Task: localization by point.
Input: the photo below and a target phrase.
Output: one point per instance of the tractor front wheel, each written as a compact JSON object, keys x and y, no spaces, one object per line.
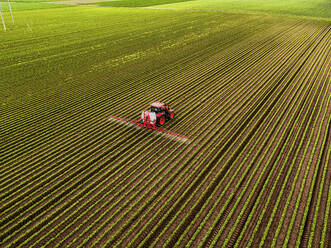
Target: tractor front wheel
{"x":172,"y":115}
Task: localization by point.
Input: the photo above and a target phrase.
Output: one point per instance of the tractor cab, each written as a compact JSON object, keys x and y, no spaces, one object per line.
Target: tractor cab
{"x":158,"y":115}
{"x":159,"y":107}
{"x":156,"y":110}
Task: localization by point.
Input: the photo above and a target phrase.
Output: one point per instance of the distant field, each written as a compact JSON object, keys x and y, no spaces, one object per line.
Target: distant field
{"x":312,"y":8}
{"x":252,"y":92}
{"x":42,"y":4}
{"x":28,"y":5}
{"x":141,"y":3}
{"x":301,"y":8}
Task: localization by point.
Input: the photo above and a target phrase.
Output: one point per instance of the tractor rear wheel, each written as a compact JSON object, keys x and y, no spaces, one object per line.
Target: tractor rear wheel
{"x":161,"y":120}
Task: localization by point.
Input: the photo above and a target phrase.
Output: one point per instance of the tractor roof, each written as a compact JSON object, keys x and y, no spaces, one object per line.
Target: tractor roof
{"x":157,"y":104}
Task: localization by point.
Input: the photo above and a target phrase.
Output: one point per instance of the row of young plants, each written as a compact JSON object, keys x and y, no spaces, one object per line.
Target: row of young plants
{"x":313,"y":70}
{"x":311,"y":192}
{"x":266,"y":170}
{"x":219,"y":198}
{"x":249,"y":221}
{"x":277,"y":202}
{"x":297,"y":150}
{"x":322,"y":161}
{"x":323,"y":241}
{"x":323,"y":186}
{"x":302,"y":186}
{"x":233,"y":207}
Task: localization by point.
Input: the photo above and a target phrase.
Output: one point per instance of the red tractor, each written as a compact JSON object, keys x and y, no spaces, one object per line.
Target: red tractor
{"x":157,"y":116}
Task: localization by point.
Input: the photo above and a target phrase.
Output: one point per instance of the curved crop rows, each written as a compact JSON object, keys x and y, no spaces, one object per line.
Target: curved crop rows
{"x":256,"y":172}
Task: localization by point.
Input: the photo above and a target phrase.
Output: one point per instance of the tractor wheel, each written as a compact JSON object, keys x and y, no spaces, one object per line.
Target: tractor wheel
{"x":161,"y":120}
{"x":172,"y":115}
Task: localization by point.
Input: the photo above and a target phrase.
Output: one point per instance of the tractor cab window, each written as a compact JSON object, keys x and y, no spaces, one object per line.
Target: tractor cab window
{"x":154,"y":109}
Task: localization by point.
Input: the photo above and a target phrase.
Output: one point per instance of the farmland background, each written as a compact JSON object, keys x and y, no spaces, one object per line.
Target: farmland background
{"x":250,"y":85}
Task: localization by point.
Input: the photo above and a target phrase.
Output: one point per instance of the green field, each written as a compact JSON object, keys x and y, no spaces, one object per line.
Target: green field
{"x":95,"y":43}
{"x":29,"y":5}
{"x":249,"y":82}
{"x":308,"y":8}
{"x":139,"y":3}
